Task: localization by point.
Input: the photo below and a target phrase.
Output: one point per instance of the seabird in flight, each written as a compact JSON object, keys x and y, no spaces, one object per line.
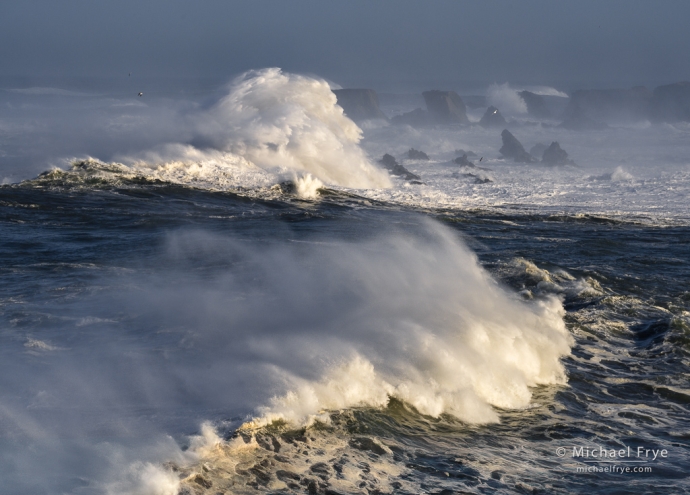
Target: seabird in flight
{"x":141,"y":94}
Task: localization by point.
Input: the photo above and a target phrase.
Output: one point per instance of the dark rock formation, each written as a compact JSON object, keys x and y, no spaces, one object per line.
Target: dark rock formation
{"x":609,"y":105}
{"x":360,"y":104}
{"x":463,"y":161}
{"x":671,"y":103}
{"x":512,"y":148}
{"x":392,"y":165}
{"x":492,"y":118}
{"x":537,"y":151}
{"x":415,"y":118}
{"x":555,"y":155}
{"x":414,"y":154}
{"x":480,"y":178}
{"x":445,"y":107}
{"x":536,"y":105}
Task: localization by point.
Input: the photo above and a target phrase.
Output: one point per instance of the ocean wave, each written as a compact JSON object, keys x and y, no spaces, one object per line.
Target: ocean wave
{"x":308,"y":336}
{"x":270,"y":127}
{"x":411,"y":317}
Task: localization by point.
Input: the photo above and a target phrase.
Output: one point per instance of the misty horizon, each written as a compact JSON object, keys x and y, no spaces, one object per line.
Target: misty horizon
{"x":388,"y":46}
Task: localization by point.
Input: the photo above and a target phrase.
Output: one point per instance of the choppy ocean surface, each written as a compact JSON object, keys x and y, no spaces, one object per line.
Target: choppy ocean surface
{"x":272,"y":313}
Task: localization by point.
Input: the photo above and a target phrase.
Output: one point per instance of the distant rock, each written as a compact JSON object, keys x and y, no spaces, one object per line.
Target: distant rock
{"x":671,"y":103}
{"x":359,"y":104}
{"x":392,"y":165}
{"x":481,"y":178}
{"x":537,"y":151}
{"x":415,"y":118}
{"x":463,"y":161}
{"x":593,"y":109}
{"x":609,"y":105}
{"x":512,"y":148}
{"x":414,"y":154}
{"x":582,"y":123}
{"x":555,"y":155}
{"x":536,"y":105}
{"x":492,"y":118}
{"x":445,"y":107}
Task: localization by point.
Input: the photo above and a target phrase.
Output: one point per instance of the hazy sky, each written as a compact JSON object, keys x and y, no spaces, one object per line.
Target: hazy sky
{"x":353,"y":42}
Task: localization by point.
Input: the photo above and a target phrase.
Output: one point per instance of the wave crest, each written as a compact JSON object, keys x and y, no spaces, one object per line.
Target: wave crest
{"x":284,"y":125}
{"x":444,"y":337}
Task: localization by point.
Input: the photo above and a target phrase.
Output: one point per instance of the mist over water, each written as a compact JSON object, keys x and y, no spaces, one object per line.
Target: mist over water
{"x":269,"y":126}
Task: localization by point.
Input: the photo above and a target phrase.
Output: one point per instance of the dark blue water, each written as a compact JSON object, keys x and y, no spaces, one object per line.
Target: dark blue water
{"x":89,"y":371}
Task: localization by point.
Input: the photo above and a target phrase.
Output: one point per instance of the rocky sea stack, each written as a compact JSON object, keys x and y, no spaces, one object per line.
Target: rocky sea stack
{"x":512,"y":148}
{"x":555,"y":155}
{"x":394,"y":168}
{"x":414,"y":154}
{"x":360,"y":104}
{"x":492,"y":118}
{"x":445,"y":107}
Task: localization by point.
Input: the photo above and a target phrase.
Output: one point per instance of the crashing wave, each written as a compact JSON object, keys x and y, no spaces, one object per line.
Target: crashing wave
{"x":270,"y":127}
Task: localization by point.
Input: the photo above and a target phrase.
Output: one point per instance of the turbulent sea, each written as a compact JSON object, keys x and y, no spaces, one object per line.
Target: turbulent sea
{"x":258,"y":307}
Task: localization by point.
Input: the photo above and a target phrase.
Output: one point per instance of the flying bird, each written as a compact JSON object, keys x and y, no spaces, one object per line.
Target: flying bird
{"x":141,"y":94}
{"x":481,"y":159}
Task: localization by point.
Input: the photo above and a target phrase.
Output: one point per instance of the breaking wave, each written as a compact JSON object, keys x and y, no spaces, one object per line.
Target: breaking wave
{"x":281,"y":121}
{"x":416,"y":318}
{"x":546,"y":91}
{"x":271,"y":127}
{"x":509,"y":102}
{"x":506,"y":99}
{"x":407,"y":320}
